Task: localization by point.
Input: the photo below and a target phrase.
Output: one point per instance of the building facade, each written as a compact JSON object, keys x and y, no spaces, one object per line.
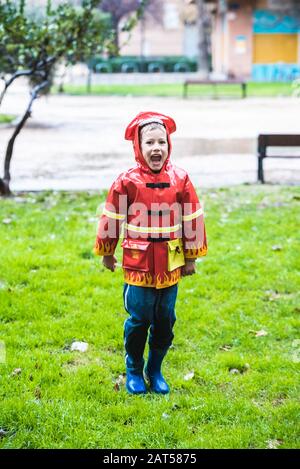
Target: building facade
{"x":254,"y":39}
{"x":258,"y":39}
{"x":168,"y":36}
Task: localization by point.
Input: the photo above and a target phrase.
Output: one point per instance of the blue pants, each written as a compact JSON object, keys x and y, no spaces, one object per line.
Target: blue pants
{"x":148,"y":308}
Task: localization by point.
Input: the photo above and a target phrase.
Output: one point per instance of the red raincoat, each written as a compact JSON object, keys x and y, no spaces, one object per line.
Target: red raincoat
{"x":161,"y":216}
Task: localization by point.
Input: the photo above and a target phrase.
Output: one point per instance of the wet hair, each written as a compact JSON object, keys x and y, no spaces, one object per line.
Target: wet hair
{"x":150,"y":126}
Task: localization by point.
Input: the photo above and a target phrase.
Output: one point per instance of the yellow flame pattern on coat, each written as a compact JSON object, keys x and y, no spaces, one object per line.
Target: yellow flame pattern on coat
{"x":145,"y":279}
{"x":195,"y":252}
{"x":104,"y":248}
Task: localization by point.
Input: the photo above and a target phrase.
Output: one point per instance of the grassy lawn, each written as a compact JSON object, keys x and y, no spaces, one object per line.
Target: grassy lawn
{"x":6,"y":118}
{"x":232,"y":369}
{"x":254,"y":89}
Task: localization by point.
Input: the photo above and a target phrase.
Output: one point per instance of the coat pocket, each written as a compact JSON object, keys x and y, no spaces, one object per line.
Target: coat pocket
{"x":136,"y":255}
{"x":175,"y":254}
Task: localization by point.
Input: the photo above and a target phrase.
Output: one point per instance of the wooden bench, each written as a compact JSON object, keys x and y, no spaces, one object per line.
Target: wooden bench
{"x":232,"y":81}
{"x":274,"y":140}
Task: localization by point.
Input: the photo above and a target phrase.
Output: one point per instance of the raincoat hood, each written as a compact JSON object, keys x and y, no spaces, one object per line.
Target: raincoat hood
{"x":132,"y":133}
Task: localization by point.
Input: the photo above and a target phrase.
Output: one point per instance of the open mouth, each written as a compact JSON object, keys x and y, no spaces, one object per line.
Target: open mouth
{"x":155,"y":158}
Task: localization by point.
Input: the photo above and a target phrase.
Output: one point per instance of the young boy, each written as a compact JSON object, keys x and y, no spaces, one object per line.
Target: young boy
{"x":164,"y":233}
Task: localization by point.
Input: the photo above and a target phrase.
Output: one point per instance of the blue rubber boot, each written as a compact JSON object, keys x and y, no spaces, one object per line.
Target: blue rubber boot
{"x":153,"y":372}
{"x":135,"y":383}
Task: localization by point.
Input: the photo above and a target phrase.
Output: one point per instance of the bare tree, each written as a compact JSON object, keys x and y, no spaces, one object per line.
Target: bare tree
{"x":196,"y":12}
{"x":204,"y":40}
{"x":120,"y":9}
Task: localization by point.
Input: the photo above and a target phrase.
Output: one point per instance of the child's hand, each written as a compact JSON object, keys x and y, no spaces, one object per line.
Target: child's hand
{"x":189,"y":268}
{"x":110,"y":262}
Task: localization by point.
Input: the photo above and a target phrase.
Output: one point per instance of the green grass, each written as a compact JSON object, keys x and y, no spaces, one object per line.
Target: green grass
{"x":53,"y":291}
{"x":254,"y":89}
{"x":6,"y":118}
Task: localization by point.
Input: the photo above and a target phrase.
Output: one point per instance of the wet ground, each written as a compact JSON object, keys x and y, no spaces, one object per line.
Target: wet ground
{"x":78,"y":142}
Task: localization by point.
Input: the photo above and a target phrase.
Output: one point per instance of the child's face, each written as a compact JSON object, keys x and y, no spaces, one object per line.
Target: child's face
{"x":154,"y":147}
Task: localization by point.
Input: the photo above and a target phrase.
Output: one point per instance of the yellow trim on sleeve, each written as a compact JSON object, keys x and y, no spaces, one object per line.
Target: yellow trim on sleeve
{"x":115,"y":216}
{"x":192,"y":215}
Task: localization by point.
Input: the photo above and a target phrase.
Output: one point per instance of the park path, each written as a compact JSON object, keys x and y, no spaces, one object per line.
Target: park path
{"x":77,"y":143}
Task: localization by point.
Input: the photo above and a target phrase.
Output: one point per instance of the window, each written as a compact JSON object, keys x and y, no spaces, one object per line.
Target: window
{"x":171,"y":16}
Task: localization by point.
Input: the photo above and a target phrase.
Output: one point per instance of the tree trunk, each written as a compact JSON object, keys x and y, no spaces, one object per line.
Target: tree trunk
{"x":203,"y":59}
{"x":4,"y":188}
{"x":3,"y":91}
{"x":116,"y":37}
{"x":4,"y":182}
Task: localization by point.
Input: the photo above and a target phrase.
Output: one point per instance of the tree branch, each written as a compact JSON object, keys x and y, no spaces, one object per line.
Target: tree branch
{"x":9,"y":151}
{"x":35,"y":70}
